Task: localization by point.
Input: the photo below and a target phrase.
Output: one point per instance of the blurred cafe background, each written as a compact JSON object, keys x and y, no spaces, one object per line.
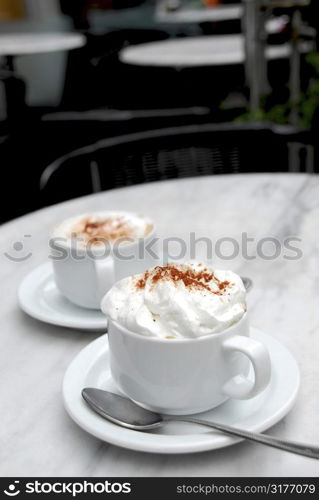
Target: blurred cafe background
{"x":99,"y":94}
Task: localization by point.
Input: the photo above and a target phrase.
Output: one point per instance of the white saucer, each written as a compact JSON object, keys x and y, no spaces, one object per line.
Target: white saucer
{"x":40,"y":298}
{"x":91,"y":369}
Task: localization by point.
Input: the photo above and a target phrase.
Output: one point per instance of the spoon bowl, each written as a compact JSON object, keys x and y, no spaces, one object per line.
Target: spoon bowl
{"x":121,"y":411}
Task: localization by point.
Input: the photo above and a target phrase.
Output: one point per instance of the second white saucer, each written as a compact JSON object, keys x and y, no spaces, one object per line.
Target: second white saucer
{"x":40,"y":298}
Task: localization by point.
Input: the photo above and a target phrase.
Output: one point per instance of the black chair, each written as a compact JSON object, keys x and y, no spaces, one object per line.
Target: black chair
{"x":14,"y":94}
{"x":170,"y":153}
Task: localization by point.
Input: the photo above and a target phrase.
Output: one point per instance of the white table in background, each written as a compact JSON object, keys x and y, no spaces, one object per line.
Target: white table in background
{"x":200,"y":15}
{"x":18,"y":44}
{"x":37,"y":436}
{"x":216,"y":50}
{"x":44,"y":68}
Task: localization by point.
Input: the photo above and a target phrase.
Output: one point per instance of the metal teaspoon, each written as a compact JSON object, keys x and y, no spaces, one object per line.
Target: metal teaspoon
{"x":124,"y":412}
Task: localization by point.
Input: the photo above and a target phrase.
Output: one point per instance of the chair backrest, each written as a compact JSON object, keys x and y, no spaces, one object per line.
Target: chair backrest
{"x":169,"y":153}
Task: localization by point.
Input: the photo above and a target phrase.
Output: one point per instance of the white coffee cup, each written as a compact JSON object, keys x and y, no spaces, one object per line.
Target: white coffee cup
{"x":185,"y":376}
{"x":84,"y":274}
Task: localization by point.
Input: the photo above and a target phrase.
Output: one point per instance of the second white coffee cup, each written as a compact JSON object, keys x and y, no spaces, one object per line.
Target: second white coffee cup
{"x":83,"y":274}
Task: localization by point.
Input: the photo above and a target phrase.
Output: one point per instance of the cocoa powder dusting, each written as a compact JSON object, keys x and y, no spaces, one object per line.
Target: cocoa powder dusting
{"x":223,"y":284}
{"x":141,"y":282}
{"x":191,"y":278}
{"x":110,"y":229}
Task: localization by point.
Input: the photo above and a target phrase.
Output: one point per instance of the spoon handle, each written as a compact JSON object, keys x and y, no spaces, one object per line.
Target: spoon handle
{"x":290,"y":446}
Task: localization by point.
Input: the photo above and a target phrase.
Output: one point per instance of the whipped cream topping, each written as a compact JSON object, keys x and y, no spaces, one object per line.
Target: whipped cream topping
{"x":100,"y":226}
{"x":177,"y":301}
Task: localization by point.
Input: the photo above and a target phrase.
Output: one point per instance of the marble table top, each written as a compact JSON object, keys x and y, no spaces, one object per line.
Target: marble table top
{"x":18,"y":44}
{"x":215,"y":50}
{"x":37,"y":437}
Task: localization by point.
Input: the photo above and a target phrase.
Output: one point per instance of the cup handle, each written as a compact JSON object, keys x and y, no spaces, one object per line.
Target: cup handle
{"x":104,"y":275}
{"x":240,"y":387}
